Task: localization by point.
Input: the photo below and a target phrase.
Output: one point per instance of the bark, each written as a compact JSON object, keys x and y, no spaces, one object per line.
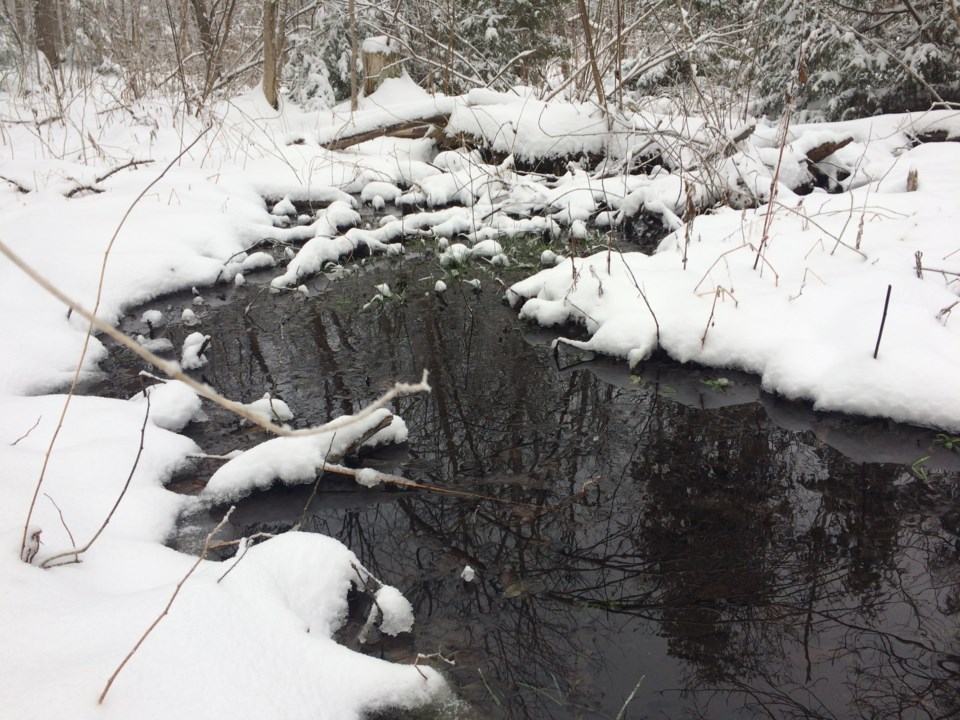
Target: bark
{"x":203,"y":29}
{"x":353,"y":56}
{"x":271,"y":80}
{"x":402,"y":128}
{"x":47,"y":25}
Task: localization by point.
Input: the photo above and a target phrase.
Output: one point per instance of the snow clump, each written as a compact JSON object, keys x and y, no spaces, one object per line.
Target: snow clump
{"x":194,"y":347}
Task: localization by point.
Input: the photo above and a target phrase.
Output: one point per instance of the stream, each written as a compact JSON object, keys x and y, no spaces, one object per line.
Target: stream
{"x":670,"y":543}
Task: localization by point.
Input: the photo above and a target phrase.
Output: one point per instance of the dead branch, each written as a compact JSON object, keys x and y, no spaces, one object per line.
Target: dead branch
{"x":93,"y":323}
{"x":27,"y":433}
{"x":17,"y":186}
{"x":176,"y":591}
{"x":411,"y":127}
{"x":97,"y":181}
{"x":245,"y":544}
{"x":73,"y":543}
{"x":173,"y":370}
{"x":824,"y":150}
{"x":48,"y":562}
{"x":719,"y":291}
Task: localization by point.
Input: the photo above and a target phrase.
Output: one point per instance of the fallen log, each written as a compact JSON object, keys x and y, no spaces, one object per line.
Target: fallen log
{"x":409,"y":128}
{"x":824,"y":150}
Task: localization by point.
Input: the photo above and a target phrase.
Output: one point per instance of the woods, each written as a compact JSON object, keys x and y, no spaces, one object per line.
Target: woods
{"x":860,"y":58}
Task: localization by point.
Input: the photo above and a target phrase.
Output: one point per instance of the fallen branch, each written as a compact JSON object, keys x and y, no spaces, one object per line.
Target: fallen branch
{"x":824,"y":150}
{"x":883,"y":321}
{"x":98,"y":180}
{"x":411,"y":127}
{"x":90,"y":316}
{"x":173,"y":370}
{"x":17,"y":186}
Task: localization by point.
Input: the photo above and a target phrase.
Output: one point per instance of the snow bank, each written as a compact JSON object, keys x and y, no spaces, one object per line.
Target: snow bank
{"x":259,"y":643}
{"x":295,"y":460}
{"x":806,"y":319}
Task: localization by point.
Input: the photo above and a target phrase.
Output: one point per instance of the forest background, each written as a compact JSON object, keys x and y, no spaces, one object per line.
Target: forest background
{"x":851,"y":59}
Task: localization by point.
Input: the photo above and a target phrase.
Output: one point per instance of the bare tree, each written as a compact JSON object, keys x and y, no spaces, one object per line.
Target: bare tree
{"x":273,"y":38}
{"x":46,"y":21}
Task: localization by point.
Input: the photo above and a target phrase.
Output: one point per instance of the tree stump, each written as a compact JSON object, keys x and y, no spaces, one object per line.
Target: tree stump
{"x":380,"y":61}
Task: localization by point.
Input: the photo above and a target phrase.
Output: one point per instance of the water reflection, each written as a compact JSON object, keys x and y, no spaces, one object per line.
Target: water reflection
{"x":704,"y":547}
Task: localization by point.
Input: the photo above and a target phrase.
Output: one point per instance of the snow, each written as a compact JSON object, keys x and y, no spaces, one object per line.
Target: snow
{"x":806,"y":320}
{"x":189,"y":318}
{"x":271,"y":409}
{"x":155,"y":345}
{"x":172,"y":404}
{"x":468,"y":574}
{"x":194,"y":348}
{"x":284,"y":207}
{"x":294,"y":460}
{"x":257,"y":261}
{"x":396,"y":611}
{"x":224,"y":649}
{"x":152,"y":317}
{"x":377,"y":44}
{"x":368,"y":477}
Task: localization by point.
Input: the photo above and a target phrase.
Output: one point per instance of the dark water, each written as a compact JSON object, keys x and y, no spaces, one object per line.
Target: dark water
{"x":713,"y":553}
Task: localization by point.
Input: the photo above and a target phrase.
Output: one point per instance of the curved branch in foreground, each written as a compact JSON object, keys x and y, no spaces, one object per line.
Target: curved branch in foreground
{"x":173,"y":370}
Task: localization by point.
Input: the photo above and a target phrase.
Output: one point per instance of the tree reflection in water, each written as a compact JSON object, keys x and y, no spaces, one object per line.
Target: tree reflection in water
{"x":738,"y":568}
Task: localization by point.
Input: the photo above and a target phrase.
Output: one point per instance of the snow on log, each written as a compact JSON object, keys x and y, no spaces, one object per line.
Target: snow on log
{"x":380,"y":61}
{"x":402,"y":129}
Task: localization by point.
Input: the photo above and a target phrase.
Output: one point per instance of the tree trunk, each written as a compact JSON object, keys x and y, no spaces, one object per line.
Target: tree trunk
{"x":379,"y":63}
{"x":353,"y":55}
{"x":271,"y":80}
{"x":47,"y":25}
{"x":203,"y":30}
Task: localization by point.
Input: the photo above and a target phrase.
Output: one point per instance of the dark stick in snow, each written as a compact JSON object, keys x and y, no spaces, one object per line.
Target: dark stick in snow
{"x":883,"y":321}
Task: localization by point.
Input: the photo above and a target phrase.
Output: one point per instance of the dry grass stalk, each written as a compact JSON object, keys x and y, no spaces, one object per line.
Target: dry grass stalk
{"x":176,"y":591}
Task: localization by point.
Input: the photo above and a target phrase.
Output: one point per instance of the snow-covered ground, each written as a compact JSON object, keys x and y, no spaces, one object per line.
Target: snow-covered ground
{"x":792,"y":290}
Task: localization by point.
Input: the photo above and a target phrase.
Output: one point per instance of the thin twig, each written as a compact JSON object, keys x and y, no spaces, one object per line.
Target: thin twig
{"x":883,"y":321}
{"x":66,"y":527}
{"x":27,"y":433}
{"x":97,"y":181}
{"x":136,"y":461}
{"x":247,"y":543}
{"x":94,"y":322}
{"x":173,"y":370}
{"x":719,"y":291}
{"x":403,"y":482}
{"x":176,"y":591}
